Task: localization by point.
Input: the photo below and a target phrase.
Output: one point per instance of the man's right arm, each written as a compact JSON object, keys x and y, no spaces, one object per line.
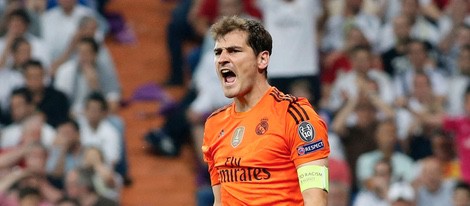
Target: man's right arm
{"x":216,"y":191}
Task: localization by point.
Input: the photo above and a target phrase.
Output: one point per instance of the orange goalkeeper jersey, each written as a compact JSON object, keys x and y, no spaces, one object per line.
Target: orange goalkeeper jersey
{"x":253,"y":155}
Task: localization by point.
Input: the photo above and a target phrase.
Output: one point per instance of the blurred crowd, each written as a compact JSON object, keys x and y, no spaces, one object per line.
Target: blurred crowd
{"x":391,"y":79}
{"x":61,"y":138}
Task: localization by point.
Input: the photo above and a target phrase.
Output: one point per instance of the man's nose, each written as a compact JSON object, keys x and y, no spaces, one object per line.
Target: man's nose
{"x":223,"y":58}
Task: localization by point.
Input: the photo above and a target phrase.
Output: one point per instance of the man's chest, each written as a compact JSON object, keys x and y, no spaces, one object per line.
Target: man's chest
{"x":257,"y":143}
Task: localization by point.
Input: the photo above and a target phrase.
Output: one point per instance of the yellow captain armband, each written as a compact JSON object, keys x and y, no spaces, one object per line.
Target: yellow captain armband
{"x":313,"y":176}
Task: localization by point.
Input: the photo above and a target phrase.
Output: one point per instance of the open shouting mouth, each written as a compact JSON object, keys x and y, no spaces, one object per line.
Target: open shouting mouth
{"x":228,"y":75}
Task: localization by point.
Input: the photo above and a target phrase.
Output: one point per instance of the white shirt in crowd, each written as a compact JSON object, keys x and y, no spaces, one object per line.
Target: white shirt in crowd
{"x":293,"y":28}
{"x":105,"y":137}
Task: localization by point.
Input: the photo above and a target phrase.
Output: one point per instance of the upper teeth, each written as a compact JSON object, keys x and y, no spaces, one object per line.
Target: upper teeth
{"x":225,"y":71}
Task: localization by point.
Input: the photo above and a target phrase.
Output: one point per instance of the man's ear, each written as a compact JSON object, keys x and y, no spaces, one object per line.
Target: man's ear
{"x":263,"y":60}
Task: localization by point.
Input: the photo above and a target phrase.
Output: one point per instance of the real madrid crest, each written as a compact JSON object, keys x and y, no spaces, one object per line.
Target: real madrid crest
{"x":262,"y":127}
{"x":238,"y":136}
{"x":306,"y":131}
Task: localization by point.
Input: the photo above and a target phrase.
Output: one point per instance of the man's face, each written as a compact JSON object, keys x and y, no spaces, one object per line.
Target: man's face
{"x":17,"y":26}
{"x":20,"y":109}
{"x":361,"y":61}
{"x":401,"y":27}
{"x":68,"y":131}
{"x":417,"y":54}
{"x":34,"y":78}
{"x":36,"y":160}
{"x":386,"y":136}
{"x":22,"y":54}
{"x":94,"y":112}
{"x":86,"y":54}
{"x":236,"y":64}
{"x":67,"y":4}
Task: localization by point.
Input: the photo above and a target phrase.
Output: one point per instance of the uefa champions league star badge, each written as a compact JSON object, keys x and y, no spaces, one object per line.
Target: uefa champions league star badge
{"x":306,"y":131}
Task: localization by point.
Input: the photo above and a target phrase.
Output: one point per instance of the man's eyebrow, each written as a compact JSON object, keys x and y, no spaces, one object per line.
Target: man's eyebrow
{"x":228,"y":48}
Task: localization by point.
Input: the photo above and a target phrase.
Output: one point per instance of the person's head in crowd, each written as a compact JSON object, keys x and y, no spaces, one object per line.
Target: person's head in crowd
{"x":402,"y":28}
{"x":432,"y":174}
{"x":417,"y":53}
{"x":461,"y":196}
{"x":463,"y":35}
{"x":360,"y":57}
{"x":381,"y":179}
{"x":87,"y":51}
{"x":17,"y":22}
{"x":69,"y":132}
{"x":386,"y":136}
{"x":29,"y":196}
{"x":32,"y":128}
{"x":442,"y":146}
{"x":463,"y":60}
{"x":67,"y":5}
{"x":401,"y":194}
{"x":36,"y":158}
{"x":34,"y":74}
{"x":355,"y":37}
{"x":67,"y":201}
{"x":79,"y":183}
{"x":21,"y":51}
{"x":21,"y":104}
{"x":422,"y":88}
{"x":230,"y":7}
{"x":410,"y":8}
{"x":96,"y":108}
{"x":88,"y":25}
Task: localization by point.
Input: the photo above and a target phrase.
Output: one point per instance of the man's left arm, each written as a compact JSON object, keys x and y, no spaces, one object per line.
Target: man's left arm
{"x":313,"y":179}
{"x":309,"y":147}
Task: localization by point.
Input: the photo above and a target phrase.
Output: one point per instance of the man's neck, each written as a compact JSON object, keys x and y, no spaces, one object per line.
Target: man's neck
{"x":249,"y":100}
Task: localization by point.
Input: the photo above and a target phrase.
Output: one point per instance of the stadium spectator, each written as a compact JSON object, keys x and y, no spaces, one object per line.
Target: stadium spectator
{"x":53,"y":103}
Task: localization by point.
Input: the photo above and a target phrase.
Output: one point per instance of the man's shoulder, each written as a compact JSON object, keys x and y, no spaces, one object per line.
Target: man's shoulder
{"x":220,"y":113}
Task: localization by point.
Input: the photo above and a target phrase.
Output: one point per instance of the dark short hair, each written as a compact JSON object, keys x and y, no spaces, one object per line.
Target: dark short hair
{"x":27,"y":191}
{"x":25,"y":93}
{"x":98,"y":97}
{"x":71,"y":121}
{"x":462,"y":185}
{"x":426,"y":45}
{"x":21,"y":13}
{"x":32,"y":63}
{"x":258,"y":39}
{"x":92,"y":42}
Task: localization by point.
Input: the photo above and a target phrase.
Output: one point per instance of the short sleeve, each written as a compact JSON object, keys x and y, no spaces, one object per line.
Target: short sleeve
{"x":307,"y":134}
